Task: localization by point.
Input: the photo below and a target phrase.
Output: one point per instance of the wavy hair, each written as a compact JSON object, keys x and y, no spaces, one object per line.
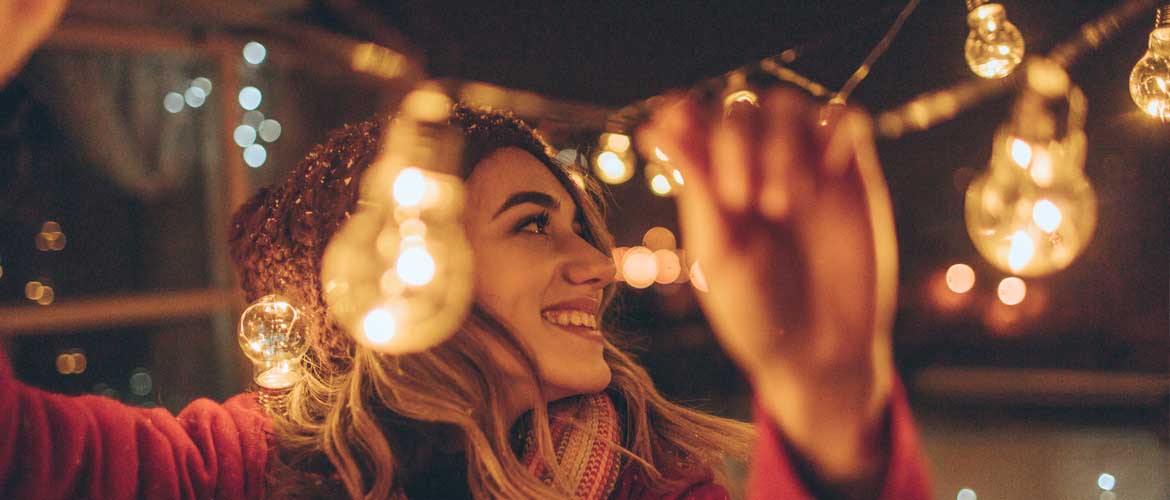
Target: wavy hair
{"x":375,"y":424}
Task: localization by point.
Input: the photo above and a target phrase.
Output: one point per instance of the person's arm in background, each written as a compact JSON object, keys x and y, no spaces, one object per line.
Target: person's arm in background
{"x":24,"y":24}
{"x":55,"y":446}
{"x":787,"y":212}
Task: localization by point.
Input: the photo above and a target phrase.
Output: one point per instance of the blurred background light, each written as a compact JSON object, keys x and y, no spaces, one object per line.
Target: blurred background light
{"x":173,"y":102}
{"x":250,"y":98}
{"x":255,"y":155}
{"x":255,"y":52}
{"x":244,"y":136}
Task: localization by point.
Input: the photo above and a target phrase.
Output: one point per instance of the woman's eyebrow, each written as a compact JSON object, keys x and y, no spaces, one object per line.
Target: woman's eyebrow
{"x":535,"y":197}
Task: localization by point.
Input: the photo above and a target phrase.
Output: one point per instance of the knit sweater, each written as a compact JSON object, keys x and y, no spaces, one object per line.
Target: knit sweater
{"x":54,"y":446}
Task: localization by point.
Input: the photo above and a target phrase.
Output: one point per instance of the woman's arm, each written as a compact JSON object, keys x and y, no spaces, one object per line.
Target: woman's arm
{"x":54,"y":446}
{"x":786,"y":210}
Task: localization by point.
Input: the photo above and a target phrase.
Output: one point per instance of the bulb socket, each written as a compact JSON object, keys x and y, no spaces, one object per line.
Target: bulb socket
{"x":972,"y":4}
{"x":1162,"y":20}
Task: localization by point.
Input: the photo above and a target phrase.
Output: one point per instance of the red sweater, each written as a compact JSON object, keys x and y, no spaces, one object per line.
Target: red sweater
{"x":54,"y":446}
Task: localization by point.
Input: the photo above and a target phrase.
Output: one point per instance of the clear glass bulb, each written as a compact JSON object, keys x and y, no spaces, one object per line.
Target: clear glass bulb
{"x":1033,"y":211}
{"x":1149,"y":83}
{"x":398,"y":273}
{"x":272,"y":334}
{"x":994,"y":46}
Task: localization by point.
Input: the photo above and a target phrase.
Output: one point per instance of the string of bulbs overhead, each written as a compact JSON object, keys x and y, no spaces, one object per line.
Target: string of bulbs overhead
{"x":398,"y":274}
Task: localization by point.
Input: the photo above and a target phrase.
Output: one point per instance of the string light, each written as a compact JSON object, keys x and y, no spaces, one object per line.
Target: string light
{"x":659,"y":238}
{"x":1033,"y":211}
{"x":1106,"y":481}
{"x":994,"y":46}
{"x":244,"y":135}
{"x":270,"y":130}
{"x":398,"y":274}
{"x":271,"y":333}
{"x":1149,"y":82}
{"x":255,"y":155}
{"x":195,"y":97}
{"x":639,"y":267}
{"x":614,"y":160}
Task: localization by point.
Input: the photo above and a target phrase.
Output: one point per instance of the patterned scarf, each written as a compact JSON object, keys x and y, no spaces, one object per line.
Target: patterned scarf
{"x":586,"y":435}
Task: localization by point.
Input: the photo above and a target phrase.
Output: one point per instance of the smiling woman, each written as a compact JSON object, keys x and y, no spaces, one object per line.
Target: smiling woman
{"x":533,"y":397}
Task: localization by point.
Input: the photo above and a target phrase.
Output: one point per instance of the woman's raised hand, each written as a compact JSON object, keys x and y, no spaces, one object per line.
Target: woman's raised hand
{"x":786,"y":210}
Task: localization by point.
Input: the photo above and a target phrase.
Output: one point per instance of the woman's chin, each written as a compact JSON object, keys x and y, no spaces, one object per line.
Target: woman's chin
{"x":596,"y":380}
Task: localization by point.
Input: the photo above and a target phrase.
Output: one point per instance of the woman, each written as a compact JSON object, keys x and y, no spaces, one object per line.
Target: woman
{"x":521,"y":403}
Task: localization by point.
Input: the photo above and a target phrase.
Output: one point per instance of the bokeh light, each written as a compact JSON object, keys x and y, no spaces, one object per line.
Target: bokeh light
{"x":255,"y":52}
{"x":660,"y":185}
{"x":612,"y":169}
{"x":195,"y":97}
{"x":250,"y":98}
{"x":253,"y":118}
{"x":173,"y":102}
{"x":669,"y":266}
{"x":33,"y":290}
{"x":1106,"y":481}
{"x":270,"y":130}
{"x":410,"y":186}
{"x":415,"y":266}
{"x":1046,"y":215}
{"x":141,"y":383}
{"x":658,"y":238}
{"x":244,"y":135}
{"x":202,"y":83}
{"x":966,"y":494}
{"x":698,"y":279}
{"x":616,"y":142}
{"x":379,"y":326}
{"x":960,"y":278}
{"x":1022,"y":250}
{"x":1012,"y":290}
{"x":255,"y":155}
{"x":71,"y":362}
{"x":47,"y":296}
{"x":639,"y":267}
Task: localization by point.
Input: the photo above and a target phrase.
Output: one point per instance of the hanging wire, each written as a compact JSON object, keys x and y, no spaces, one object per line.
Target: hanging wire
{"x":842,"y":95}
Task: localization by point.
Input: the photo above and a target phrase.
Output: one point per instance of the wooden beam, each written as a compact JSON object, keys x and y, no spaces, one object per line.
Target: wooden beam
{"x":1041,"y":387}
{"x":70,"y":315}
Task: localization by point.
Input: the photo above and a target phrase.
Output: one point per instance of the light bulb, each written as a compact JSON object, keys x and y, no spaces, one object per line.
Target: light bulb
{"x":398,"y":274}
{"x":272,"y":334}
{"x":1149,"y":83}
{"x":994,"y":46}
{"x":1033,"y":211}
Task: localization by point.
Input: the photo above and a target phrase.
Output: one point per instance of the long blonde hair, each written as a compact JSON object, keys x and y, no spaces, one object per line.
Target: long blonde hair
{"x":371,"y":423}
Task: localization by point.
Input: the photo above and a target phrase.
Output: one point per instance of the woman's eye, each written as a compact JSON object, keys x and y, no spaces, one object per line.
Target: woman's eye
{"x":537,"y":224}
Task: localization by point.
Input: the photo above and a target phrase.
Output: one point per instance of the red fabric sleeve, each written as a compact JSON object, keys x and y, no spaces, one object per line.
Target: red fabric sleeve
{"x":54,"y":446}
{"x":774,"y":475}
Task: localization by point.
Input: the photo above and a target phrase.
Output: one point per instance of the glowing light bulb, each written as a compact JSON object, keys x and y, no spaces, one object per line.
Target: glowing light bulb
{"x":1149,"y":82}
{"x":398,"y":274}
{"x":994,"y":46}
{"x":1033,"y":211}
{"x":271,"y":333}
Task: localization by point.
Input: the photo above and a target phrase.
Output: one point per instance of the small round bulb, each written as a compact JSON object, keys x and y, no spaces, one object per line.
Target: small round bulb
{"x":994,"y":46}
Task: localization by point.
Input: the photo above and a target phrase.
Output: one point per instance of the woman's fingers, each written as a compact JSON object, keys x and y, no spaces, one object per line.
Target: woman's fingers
{"x":735,"y":157}
{"x":788,"y":180}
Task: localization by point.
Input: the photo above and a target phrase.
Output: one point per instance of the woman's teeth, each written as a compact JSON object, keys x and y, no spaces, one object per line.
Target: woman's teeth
{"x":571,"y":318}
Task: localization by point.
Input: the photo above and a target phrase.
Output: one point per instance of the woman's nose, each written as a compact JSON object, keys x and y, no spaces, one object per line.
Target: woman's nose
{"x":590,"y":267}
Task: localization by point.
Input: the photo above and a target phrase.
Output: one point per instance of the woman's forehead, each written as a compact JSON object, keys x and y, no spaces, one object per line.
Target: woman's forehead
{"x":507,"y":171}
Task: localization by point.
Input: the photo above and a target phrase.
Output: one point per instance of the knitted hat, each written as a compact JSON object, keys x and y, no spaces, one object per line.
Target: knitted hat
{"x":279,"y":235}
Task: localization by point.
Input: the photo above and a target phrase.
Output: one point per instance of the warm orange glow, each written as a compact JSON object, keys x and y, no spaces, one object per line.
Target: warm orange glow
{"x":1021,"y":152}
{"x":1021,"y":252}
{"x":1046,"y":215}
{"x":1012,"y":290}
{"x":611,"y":168}
{"x":619,"y":143}
{"x":409,"y":187}
{"x":698,"y":280}
{"x":639,"y":267}
{"x":960,"y":278}
{"x":415,"y":266}
{"x":669,"y":266}
{"x":660,"y":185}
{"x":658,"y":238}
{"x":379,"y":326}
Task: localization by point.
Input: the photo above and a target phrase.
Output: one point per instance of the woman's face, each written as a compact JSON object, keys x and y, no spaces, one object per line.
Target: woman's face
{"x":535,"y":273}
